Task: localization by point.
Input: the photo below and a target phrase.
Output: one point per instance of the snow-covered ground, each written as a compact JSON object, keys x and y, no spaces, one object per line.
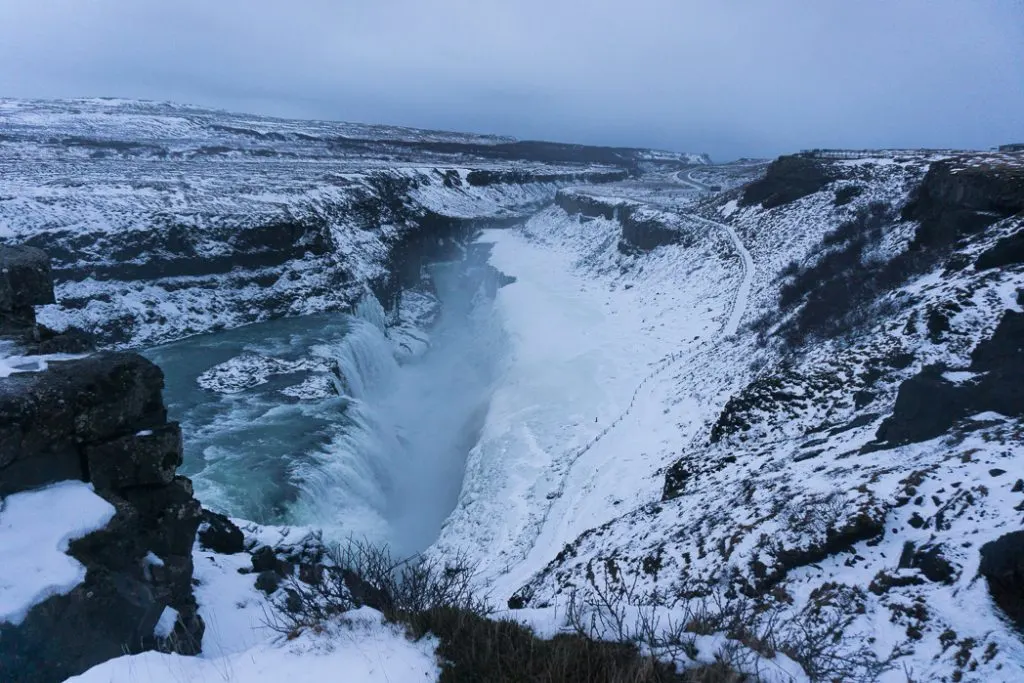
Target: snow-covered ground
{"x":35,"y":530}
{"x":616,"y":368}
{"x":240,"y":647}
{"x":567,"y":479}
{"x":575,"y":429}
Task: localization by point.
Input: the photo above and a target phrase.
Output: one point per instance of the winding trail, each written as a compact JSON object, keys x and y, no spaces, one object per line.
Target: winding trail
{"x":560,"y":509}
{"x":691,"y":181}
{"x":739,"y":305}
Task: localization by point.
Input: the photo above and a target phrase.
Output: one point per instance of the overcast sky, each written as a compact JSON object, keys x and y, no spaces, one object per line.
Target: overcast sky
{"x":730,"y":77}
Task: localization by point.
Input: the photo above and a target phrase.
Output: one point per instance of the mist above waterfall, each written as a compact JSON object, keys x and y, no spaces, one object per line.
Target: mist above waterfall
{"x":371,"y":448}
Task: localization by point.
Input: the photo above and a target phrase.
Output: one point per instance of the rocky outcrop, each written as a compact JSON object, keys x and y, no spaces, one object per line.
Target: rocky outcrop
{"x":101,"y":419}
{"x":580,"y":204}
{"x":25,"y":282}
{"x":1002,"y":564}
{"x":642,"y":228}
{"x":788,"y":179}
{"x":929,"y":404}
{"x":646,"y":230}
{"x":484,"y":178}
{"x":964,"y":195}
{"x":1006,"y":252}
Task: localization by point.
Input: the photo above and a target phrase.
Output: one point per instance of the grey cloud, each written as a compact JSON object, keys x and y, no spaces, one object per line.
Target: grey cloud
{"x":732,"y":77}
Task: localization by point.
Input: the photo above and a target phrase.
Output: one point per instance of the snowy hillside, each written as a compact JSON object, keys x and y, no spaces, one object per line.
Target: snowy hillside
{"x":760,"y":417}
{"x":695,"y":464}
{"x":164,"y":220}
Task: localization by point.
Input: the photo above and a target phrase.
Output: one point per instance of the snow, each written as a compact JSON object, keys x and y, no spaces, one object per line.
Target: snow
{"x":595,"y":403}
{"x":13,"y":361}
{"x":35,"y":530}
{"x":250,"y":370}
{"x":960,"y":376}
{"x":148,"y":562}
{"x":567,"y":444}
{"x":362,"y":649}
{"x":239,"y":645}
{"x":619,"y":366}
{"x":166,"y":623}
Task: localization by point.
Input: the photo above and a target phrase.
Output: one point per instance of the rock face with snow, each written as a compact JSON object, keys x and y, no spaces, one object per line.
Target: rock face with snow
{"x":100,"y":419}
{"x":164,"y":221}
{"x":25,"y":282}
{"x":787,"y":179}
{"x":794,"y":405}
{"x":846,"y":460}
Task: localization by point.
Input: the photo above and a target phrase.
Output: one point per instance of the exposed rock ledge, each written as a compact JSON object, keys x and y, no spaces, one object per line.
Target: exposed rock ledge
{"x":643,"y":228}
{"x":101,"y":419}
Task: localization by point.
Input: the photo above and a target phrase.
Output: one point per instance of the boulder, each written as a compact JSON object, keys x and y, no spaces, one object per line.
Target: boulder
{"x":219,"y":534}
{"x":264,"y":560}
{"x":643,"y":232}
{"x":102,"y":419}
{"x":927,"y":405}
{"x":25,"y":278}
{"x":267,"y":582}
{"x":70,"y":341}
{"x":579,"y":204}
{"x":1002,"y":564}
{"x":46,"y":417}
{"x":1007,"y":251}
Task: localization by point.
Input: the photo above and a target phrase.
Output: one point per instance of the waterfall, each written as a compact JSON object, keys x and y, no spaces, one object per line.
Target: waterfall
{"x":382,"y":458}
{"x":394,"y":470}
{"x":370,"y":310}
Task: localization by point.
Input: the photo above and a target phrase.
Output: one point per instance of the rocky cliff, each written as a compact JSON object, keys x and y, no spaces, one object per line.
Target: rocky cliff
{"x":164,"y":221}
{"x":97,"y":418}
{"x":846,"y":464}
{"x":643,"y":227}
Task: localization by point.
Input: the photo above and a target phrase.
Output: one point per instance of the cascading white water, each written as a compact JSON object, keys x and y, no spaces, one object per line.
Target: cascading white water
{"x":384,"y":460}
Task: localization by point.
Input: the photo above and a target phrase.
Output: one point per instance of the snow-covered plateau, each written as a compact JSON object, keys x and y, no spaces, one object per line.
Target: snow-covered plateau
{"x":772,"y":409}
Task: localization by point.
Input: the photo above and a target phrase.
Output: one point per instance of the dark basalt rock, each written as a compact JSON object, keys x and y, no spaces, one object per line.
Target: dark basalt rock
{"x":99,"y":419}
{"x":46,"y":417}
{"x":639,"y":233}
{"x":577,"y":204}
{"x":264,"y":559}
{"x":26,"y":278}
{"x":1002,"y":564}
{"x":149,"y":457}
{"x":1007,"y":251}
{"x":70,"y":341}
{"x":675,"y":481}
{"x":960,"y":197}
{"x":788,"y":179}
{"x":847,"y":193}
{"x":267,"y":582}
{"x":645,"y":234}
{"x":124,"y":594}
{"x":931,"y":562}
{"x":219,"y":534}
{"x":927,"y":405}
{"x":25,"y":282}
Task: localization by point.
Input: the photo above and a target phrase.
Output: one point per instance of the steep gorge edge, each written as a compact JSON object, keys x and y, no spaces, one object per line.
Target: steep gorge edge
{"x":100,"y":418}
{"x":961,"y":221}
{"x":167,"y":278}
{"x":419,"y":243}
